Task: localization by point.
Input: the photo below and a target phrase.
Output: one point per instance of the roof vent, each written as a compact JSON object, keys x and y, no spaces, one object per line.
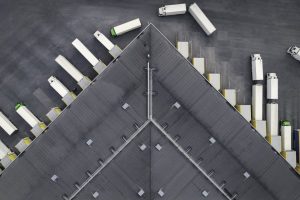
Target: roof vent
{"x":205,"y":193}
{"x":95,"y":195}
{"x":141,"y":192}
{"x":161,"y":193}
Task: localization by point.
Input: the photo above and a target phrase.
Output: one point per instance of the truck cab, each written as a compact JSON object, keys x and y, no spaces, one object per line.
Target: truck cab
{"x":294,"y":51}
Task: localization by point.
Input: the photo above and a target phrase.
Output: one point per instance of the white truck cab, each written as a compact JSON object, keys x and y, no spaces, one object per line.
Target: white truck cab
{"x":175,"y":9}
{"x":257,"y":67}
{"x":295,"y":52}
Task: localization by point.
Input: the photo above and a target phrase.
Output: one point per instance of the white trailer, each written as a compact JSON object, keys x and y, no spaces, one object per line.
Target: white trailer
{"x":4,"y":150}
{"x":114,"y":50}
{"x":27,"y":115}
{"x":85,"y":52}
{"x":199,"y":64}
{"x":272,"y":86}
{"x":286,"y":135}
{"x":82,"y":80}
{"x":257,"y":67}
{"x":183,"y":48}
{"x":125,"y":27}
{"x":7,"y":125}
{"x":201,"y":19}
{"x":257,"y":102}
{"x":98,"y":65}
{"x":272,"y":119}
{"x":23,"y":144}
{"x":58,"y":86}
{"x":294,"y":52}
{"x":174,"y":9}
{"x":67,"y":96}
{"x":37,"y":126}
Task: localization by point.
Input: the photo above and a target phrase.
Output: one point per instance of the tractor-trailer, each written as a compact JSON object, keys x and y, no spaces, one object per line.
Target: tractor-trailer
{"x":257,"y":67}
{"x":294,"y":52}
{"x":104,"y":41}
{"x":7,"y":125}
{"x":58,"y":86}
{"x":85,"y":52}
{"x":201,"y":19}
{"x":4,"y":150}
{"x":126,"y":27}
{"x":27,"y":115}
{"x":286,"y":135}
{"x":272,"y":86}
{"x":174,"y":9}
{"x":69,"y":68}
{"x":272,"y":119}
{"x":257,"y":102}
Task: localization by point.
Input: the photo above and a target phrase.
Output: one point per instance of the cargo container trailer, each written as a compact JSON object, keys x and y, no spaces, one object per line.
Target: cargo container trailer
{"x":201,"y":19}
{"x":37,"y":126}
{"x":113,"y":50}
{"x":257,"y":102}
{"x":81,"y":80}
{"x":126,"y":27}
{"x":272,"y":86}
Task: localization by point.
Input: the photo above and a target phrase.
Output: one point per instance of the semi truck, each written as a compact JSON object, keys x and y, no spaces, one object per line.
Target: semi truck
{"x":113,"y":50}
{"x":257,"y":67}
{"x":69,"y":68}
{"x":85,"y":52}
{"x":58,"y":86}
{"x":287,"y":151}
{"x":37,"y":126}
{"x":174,"y":9}
{"x":126,"y":27}
{"x":201,"y":19}
{"x":104,"y":40}
{"x":286,"y":135}
{"x":67,"y":96}
{"x":27,"y":115}
{"x":272,"y":86}
{"x":294,"y":51}
{"x":82,"y":80}
{"x":257,"y":102}
{"x":272,"y":119}
{"x":6,"y":124}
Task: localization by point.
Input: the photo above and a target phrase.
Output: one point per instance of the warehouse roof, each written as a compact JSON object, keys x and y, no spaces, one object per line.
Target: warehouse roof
{"x":178,"y":138}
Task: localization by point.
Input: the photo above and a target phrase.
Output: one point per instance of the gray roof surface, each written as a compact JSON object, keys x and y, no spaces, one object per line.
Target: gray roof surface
{"x":97,"y":114}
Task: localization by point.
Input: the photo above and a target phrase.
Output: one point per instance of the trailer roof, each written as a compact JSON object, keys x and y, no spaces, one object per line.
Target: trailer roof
{"x":184,"y":153}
